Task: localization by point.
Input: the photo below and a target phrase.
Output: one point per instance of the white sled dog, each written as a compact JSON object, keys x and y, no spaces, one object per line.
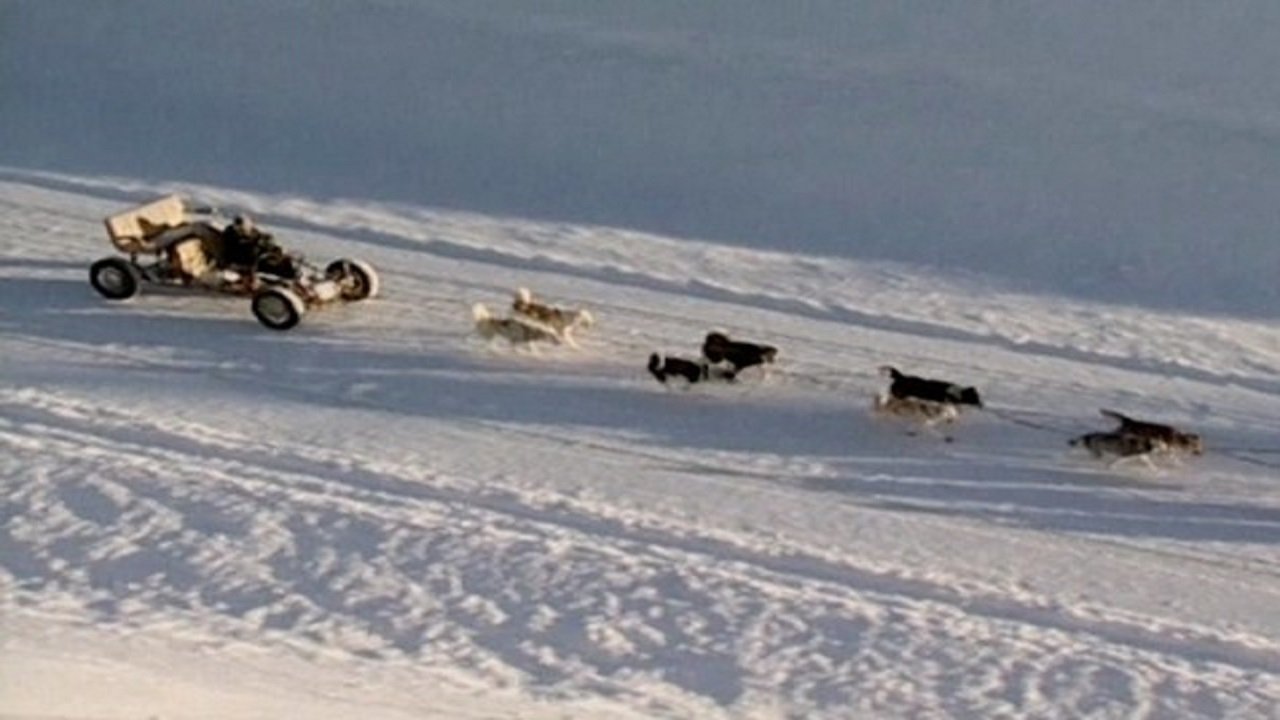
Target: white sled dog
{"x":562,"y":321}
{"x":514,"y":330}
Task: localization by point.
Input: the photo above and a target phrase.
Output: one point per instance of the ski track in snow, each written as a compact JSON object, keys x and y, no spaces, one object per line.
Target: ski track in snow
{"x":381,"y":488}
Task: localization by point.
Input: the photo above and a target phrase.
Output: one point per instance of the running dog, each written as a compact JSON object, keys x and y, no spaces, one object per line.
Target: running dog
{"x":562,"y":321}
{"x":938,"y":391}
{"x":1171,"y":438}
{"x":1120,"y":446}
{"x":717,"y":347}
{"x":516,"y":331}
{"x":664,"y":367}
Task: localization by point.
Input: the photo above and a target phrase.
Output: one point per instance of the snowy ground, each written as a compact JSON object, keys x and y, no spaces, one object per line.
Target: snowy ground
{"x":378,"y":514}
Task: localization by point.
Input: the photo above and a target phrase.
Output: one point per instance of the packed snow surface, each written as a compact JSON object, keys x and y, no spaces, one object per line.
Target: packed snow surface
{"x":380,"y":515}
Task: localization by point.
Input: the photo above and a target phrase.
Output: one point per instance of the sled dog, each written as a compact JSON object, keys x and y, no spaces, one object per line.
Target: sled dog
{"x":665,"y":367}
{"x":516,"y":331}
{"x":562,"y":321}
{"x":717,"y":347}
{"x":1169,"y":437}
{"x":1119,"y":446}
{"x":938,"y":391}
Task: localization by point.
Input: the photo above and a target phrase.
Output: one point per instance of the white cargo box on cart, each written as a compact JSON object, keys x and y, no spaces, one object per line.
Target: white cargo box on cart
{"x":137,"y":230}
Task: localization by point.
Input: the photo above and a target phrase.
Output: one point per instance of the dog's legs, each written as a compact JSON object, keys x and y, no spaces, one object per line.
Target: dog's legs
{"x":1144,"y":458}
{"x":947,"y":416}
{"x":915,"y":427}
{"x":927,"y":428}
{"x":1120,"y":461}
{"x":518,"y":346}
{"x":931,"y":425}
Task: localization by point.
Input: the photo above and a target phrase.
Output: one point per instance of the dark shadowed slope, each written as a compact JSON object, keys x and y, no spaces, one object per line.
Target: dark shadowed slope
{"x":1104,"y":152}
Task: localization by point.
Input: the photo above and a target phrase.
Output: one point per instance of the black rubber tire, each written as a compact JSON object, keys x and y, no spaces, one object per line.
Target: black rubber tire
{"x":115,"y":278}
{"x":278,"y":308}
{"x":358,"y":279}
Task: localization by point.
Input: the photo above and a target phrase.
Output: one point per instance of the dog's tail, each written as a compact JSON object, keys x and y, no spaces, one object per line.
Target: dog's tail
{"x":480,"y":313}
{"x":655,"y":367}
{"x":1118,"y":417}
{"x":891,"y":372}
{"x":522,"y":298}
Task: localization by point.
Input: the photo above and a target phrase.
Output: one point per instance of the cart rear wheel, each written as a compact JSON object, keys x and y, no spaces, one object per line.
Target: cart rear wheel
{"x":278,"y":308}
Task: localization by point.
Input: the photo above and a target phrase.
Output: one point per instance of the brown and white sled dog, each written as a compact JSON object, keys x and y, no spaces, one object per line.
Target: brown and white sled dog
{"x":1119,"y":446}
{"x":916,"y":412}
{"x":562,"y":321}
{"x":514,"y":330}
{"x":1169,"y":438}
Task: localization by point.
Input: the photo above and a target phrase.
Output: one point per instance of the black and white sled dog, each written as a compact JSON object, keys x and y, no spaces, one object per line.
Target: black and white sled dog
{"x":1169,"y":438}
{"x":1119,"y":446}
{"x":939,"y":391}
{"x":562,"y":321}
{"x":923,"y":402}
{"x":739,"y":355}
{"x":515,"y":330}
{"x":667,"y":367}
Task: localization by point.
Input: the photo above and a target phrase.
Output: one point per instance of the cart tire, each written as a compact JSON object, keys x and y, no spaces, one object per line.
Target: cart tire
{"x":115,"y":278}
{"x":278,"y":308}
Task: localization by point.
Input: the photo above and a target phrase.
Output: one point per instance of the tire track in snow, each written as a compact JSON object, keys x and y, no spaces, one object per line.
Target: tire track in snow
{"x":358,"y":483}
{"x":567,"y":600}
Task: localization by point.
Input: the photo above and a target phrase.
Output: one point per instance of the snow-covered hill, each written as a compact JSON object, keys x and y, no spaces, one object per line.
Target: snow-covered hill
{"x":1069,"y":205}
{"x":379,"y":514}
